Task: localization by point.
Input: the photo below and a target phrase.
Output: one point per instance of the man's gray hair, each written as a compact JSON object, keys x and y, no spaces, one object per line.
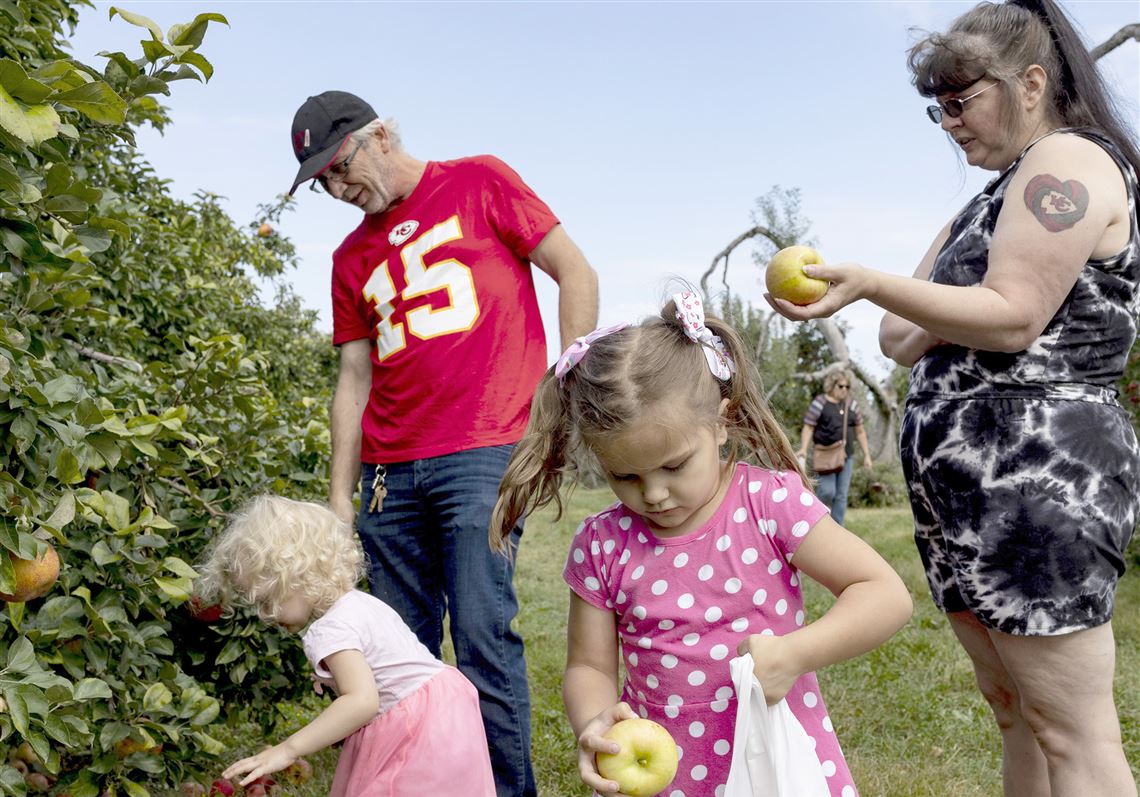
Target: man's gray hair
{"x":369,"y":130}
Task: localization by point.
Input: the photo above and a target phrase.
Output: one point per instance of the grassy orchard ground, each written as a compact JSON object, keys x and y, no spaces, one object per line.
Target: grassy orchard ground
{"x":909,"y":718}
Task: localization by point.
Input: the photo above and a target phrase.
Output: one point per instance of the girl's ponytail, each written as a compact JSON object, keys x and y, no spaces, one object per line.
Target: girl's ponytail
{"x":540,"y":460}
{"x":751,"y":424}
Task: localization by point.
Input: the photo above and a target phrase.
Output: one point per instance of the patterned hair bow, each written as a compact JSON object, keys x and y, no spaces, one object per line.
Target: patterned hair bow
{"x":577,"y":350}
{"x":691,"y":314}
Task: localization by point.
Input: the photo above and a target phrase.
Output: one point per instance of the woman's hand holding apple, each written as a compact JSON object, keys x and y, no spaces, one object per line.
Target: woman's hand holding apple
{"x":849,"y":283}
{"x":774,"y":662}
{"x":592,"y":741}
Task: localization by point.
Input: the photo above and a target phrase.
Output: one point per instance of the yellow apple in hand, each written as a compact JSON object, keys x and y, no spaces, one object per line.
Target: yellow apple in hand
{"x":785,"y":277}
{"x":647,"y":761}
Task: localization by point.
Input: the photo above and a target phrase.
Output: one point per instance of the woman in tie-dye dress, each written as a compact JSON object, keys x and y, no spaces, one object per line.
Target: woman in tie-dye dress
{"x":1023,"y":470}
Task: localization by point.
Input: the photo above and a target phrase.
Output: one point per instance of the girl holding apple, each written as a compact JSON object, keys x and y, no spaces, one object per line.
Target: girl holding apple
{"x":1023,"y":469}
{"x":694,"y":562}
{"x":412,"y":723}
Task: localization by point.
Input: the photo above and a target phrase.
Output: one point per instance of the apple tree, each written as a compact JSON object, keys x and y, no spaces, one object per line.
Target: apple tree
{"x":144,"y":391}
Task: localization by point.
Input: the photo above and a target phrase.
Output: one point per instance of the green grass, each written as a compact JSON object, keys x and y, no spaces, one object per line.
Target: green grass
{"x":908,"y":715}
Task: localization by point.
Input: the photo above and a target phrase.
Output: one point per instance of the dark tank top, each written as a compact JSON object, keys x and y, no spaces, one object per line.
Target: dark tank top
{"x":1082,"y":351}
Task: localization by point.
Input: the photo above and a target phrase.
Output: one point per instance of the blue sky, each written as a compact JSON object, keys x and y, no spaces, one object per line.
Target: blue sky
{"x":649,"y":128}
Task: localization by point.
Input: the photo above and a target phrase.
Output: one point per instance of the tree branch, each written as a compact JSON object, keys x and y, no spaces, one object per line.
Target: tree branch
{"x":182,"y":488}
{"x":111,"y":359}
{"x":724,"y":253}
{"x":1115,"y":40}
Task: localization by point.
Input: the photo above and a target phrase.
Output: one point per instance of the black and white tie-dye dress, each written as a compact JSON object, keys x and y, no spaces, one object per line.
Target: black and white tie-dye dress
{"x":1023,"y":470}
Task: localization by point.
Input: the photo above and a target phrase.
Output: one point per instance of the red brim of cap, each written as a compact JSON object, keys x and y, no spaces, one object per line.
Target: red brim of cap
{"x":315,"y":165}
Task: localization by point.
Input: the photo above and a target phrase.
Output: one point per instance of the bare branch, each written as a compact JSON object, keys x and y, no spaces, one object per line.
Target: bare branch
{"x":110,"y":359}
{"x":1115,"y":40}
{"x":724,"y":253}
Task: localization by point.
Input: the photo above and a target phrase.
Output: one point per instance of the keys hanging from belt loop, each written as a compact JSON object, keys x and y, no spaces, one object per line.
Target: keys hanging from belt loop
{"x":379,"y":491}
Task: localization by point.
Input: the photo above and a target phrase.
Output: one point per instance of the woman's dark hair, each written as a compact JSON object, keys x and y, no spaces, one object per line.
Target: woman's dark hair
{"x":1001,"y":41}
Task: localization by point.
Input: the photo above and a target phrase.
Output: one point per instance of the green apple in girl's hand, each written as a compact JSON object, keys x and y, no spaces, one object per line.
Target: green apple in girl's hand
{"x":647,"y":761}
{"x":785,"y":277}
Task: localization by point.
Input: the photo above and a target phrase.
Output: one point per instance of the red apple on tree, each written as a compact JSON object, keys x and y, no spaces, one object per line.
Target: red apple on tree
{"x":200,"y":611}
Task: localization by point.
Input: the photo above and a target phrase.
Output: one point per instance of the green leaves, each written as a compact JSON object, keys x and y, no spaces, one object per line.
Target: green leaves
{"x":139,"y":20}
{"x":144,"y":393}
{"x":30,"y":124}
{"x":95,"y":100}
{"x":178,"y":48}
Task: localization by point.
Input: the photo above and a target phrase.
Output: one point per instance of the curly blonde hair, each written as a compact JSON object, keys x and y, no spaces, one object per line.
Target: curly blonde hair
{"x":274,"y":548}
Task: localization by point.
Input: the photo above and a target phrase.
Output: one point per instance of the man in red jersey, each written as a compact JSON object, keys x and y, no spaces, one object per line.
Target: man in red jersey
{"x":441,"y":345}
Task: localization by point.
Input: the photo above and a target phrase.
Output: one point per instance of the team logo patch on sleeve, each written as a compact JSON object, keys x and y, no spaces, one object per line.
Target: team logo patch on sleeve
{"x":403,"y":232}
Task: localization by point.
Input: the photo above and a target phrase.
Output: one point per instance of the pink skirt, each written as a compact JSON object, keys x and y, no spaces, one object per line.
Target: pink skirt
{"x":431,"y":742}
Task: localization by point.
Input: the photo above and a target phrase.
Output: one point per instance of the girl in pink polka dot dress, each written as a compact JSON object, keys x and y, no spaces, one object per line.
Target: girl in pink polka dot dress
{"x":701,"y":557}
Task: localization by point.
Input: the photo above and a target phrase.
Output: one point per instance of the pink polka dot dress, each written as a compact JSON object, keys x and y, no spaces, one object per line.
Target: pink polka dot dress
{"x":683,"y":604}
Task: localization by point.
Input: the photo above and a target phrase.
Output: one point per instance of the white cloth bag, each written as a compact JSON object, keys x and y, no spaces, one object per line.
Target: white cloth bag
{"x":772,"y":755}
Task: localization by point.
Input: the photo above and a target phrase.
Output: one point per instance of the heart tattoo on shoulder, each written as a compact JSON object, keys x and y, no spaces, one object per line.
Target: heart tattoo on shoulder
{"x":1057,"y":205}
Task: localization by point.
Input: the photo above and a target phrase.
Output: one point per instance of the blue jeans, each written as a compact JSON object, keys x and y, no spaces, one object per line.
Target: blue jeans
{"x":428,"y":553}
{"x":832,"y":490}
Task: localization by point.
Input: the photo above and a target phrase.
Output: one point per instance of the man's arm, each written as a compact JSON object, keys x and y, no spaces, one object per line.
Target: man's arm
{"x":353,"y":384}
{"x":577,"y":281}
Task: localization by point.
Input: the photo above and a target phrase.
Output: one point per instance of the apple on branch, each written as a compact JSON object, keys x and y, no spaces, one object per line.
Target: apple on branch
{"x":785,"y":277}
{"x":647,"y":761}
{"x":34,"y":577}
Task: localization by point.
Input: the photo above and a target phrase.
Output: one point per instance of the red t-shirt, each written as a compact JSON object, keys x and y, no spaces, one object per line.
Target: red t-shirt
{"x":442,"y":285}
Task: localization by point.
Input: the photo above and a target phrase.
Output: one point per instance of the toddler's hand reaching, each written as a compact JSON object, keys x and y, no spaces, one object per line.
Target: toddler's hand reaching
{"x":592,"y":741}
{"x":270,"y":760}
{"x":773,"y":663}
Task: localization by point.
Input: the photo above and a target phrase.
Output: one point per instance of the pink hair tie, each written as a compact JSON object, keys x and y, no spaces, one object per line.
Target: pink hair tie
{"x":691,"y":314}
{"x":577,"y":350}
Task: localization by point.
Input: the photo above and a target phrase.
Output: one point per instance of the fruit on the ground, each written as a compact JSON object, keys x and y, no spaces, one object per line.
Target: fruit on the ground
{"x":34,"y":577}
{"x":785,"y":277}
{"x":647,"y":761}
{"x":192,"y":788}
{"x":200,"y":611}
{"x":261,"y":787}
{"x":221,"y":788}
{"x":300,"y":771}
{"x":265,"y":230}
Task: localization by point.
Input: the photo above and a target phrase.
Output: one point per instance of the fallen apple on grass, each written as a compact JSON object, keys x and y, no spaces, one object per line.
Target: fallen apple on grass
{"x":785,"y":277}
{"x":221,"y":788}
{"x":300,"y":771}
{"x":647,"y":761}
{"x":261,"y":786}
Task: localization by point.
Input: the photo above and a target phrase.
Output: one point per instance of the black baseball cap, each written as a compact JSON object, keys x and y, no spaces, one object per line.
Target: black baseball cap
{"x":322,"y":126}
